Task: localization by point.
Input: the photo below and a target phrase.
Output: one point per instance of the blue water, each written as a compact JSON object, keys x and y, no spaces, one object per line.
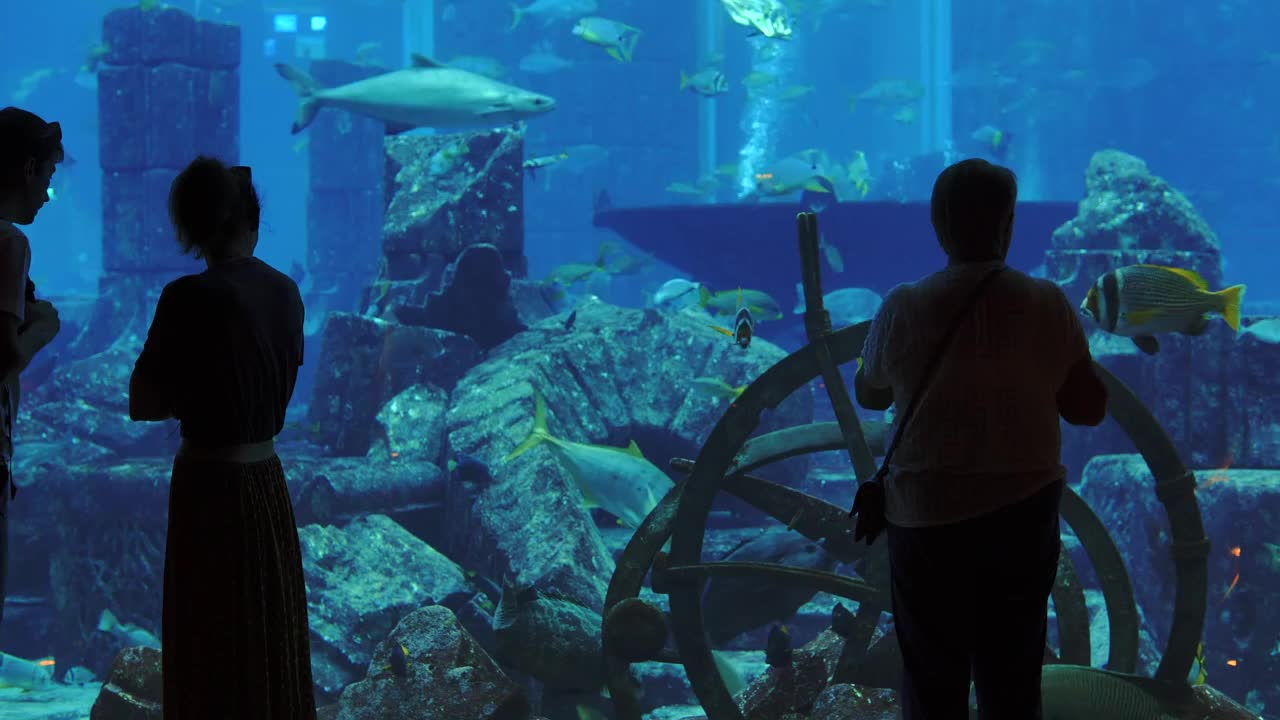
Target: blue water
{"x":1191,"y":88}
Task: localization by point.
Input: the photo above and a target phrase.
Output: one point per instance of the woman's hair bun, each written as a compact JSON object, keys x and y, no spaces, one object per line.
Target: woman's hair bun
{"x":211,"y":205}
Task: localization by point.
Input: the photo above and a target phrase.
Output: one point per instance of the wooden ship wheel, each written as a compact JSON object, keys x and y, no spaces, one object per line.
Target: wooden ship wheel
{"x":636,"y":631}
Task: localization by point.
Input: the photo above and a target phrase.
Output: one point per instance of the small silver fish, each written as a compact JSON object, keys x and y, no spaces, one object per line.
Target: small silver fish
{"x":708,"y":83}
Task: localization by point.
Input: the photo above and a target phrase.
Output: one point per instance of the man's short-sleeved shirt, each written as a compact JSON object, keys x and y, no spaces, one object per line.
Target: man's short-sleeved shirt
{"x":986,"y":433}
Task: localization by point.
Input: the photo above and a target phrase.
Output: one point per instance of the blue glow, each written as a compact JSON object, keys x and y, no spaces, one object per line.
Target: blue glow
{"x":285,"y":23}
{"x":318,"y":23}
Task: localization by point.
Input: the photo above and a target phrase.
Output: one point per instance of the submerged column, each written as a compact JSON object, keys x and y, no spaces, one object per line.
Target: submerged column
{"x":168,"y":90}
{"x":346,"y":199}
{"x":935,"y":45}
{"x":710,"y":23}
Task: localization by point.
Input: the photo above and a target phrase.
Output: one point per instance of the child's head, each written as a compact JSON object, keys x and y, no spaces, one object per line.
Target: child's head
{"x":30,"y":148}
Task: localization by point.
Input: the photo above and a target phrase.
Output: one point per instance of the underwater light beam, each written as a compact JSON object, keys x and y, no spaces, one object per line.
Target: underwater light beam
{"x":759,"y":120}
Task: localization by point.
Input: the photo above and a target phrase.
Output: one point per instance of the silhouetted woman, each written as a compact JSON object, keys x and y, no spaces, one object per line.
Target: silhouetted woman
{"x":222,"y":356}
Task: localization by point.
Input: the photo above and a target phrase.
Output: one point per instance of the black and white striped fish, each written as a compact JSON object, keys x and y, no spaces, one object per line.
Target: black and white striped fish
{"x":1139,"y":301}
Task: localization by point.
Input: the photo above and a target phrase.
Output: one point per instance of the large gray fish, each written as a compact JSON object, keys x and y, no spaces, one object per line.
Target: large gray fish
{"x":735,"y":605}
{"x":427,"y":94}
{"x":555,"y":640}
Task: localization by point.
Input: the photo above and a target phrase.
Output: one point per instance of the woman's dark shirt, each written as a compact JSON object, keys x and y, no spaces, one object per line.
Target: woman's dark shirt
{"x":225,"y":345}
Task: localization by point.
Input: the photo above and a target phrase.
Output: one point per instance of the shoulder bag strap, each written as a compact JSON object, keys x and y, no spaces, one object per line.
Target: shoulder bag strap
{"x":933,"y":364}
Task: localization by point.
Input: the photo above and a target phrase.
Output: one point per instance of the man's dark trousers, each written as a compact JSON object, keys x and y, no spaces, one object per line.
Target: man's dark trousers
{"x":970,"y":601}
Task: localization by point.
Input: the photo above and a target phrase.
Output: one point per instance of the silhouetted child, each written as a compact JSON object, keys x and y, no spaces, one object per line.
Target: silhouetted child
{"x":30,"y":150}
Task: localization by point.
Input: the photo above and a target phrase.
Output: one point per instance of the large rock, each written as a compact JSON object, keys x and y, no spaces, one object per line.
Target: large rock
{"x":1240,"y":510}
{"x":365,"y":362}
{"x":447,"y":675}
{"x":844,"y":701}
{"x":412,"y":425}
{"x":361,"y":580}
{"x":1213,"y":394}
{"x":1127,"y":216}
{"x":133,"y":688}
{"x":92,"y":535}
{"x":336,"y":490}
{"x":617,"y":375}
{"x":446,"y":192}
{"x":87,"y":400}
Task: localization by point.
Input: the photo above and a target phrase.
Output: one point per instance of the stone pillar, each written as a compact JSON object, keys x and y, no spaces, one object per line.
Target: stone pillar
{"x":168,"y":90}
{"x":345,"y":203}
{"x":445,"y":193}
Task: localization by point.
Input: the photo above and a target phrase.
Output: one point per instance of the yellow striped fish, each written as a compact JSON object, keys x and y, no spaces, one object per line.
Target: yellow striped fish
{"x":1139,"y":301}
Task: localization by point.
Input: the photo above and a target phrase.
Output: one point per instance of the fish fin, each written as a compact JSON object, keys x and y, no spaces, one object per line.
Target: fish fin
{"x":586,"y":712}
{"x":1198,"y":327}
{"x":684,"y":80}
{"x":496,"y":109}
{"x":589,"y":501}
{"x":1190,"y":275}
{"x":1147,"y":344}
{"x":616,"y":54}
{"x":722,"y":331}
{"x":419,"y":60}
{"x":306,"y":87}
{"x":1232,"y":298}
{"x":634,"y":449}
{"x":539,"y":432}
{"x":704,"y":296}
{"x":398,"y":128}
{"x":729,"y":673}
{"x":630,"y":44}
{"x":516,"y":14}
{"x":834,"y":258}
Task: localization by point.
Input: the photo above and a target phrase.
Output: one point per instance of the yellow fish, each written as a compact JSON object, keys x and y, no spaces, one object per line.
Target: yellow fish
{"x":1139,"y":301}
{"x":618,"y":480}
{"x":618,"y":39}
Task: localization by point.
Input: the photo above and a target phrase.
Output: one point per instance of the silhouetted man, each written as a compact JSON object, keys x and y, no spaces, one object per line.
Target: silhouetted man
{"x":972,"y":494}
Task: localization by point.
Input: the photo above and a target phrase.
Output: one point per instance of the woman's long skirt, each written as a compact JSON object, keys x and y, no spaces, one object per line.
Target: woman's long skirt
{"x":234,"y":635}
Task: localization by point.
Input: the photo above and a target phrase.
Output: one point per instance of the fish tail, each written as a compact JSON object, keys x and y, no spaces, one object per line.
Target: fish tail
{"x":306,"y":87}
{"x":628,"y":44}
{"x":729,"y":673}
{"x":684,"y":80}
{"x":1231,"y":301}
{"x":517,"y":14}
{"x":107,"y":621}
{"x":538,"y":434}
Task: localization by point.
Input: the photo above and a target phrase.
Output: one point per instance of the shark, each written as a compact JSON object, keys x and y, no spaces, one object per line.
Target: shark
{"x":426,"y":94}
